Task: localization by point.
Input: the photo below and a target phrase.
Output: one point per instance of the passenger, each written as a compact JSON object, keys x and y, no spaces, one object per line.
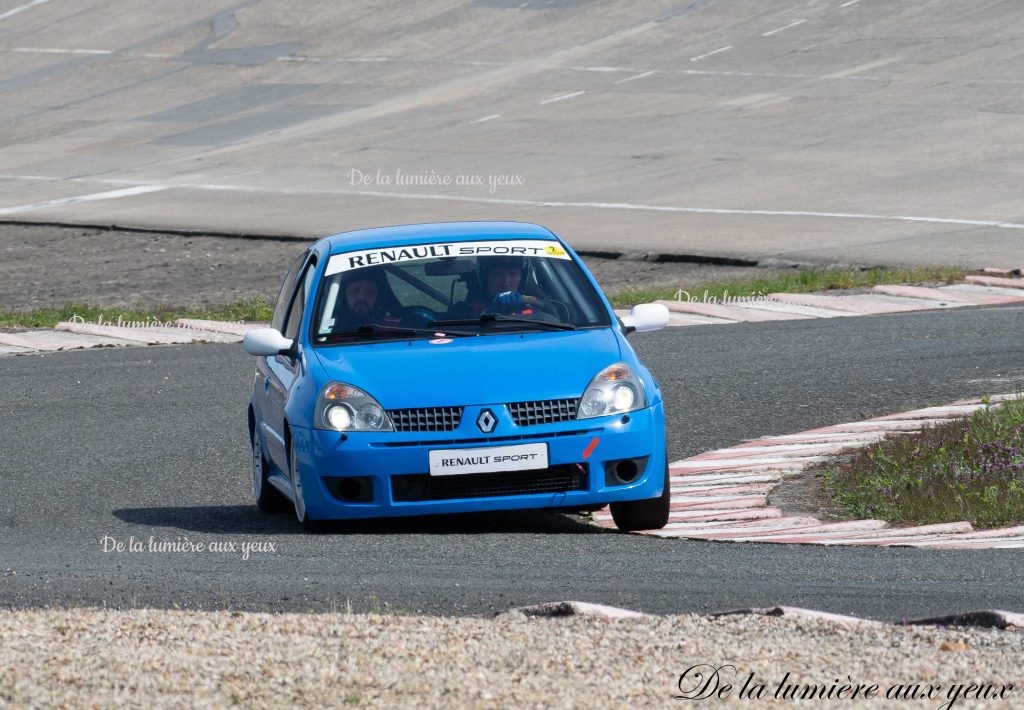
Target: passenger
{"x":363,"y":300}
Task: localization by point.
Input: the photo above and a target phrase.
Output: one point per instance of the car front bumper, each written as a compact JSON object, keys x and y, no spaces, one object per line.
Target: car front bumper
{"x":397,"y":466}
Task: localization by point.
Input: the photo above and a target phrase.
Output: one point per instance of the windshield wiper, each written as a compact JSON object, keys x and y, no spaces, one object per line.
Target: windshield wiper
{"x":371,"y":329}
{"x":498,"y":318}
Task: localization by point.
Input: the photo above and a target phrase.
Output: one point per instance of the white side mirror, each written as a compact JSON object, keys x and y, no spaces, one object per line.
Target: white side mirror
{"x":646,"y":317}
{"x":265,"y":341}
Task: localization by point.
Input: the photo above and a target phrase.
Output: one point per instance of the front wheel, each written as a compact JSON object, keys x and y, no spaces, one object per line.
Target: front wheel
{"x":301,"y":513}
{"x":268,"y":498}
{"x":651,"y":514}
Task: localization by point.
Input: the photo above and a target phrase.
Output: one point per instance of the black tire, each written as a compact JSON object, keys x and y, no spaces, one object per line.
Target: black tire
{"x":268,"y":498}
{"x":651,"y":514}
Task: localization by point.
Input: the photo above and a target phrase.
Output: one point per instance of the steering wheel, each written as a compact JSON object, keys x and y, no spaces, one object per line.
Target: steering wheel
{"x":513,"y":303}
{"x":420,"y":316}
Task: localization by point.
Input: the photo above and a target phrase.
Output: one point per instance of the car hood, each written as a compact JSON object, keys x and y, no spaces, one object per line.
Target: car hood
{"x":490,"y":369}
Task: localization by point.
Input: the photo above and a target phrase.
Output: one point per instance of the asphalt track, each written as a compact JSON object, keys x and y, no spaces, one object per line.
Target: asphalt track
{"x":864,"y":131}
{"x":151,"y":442}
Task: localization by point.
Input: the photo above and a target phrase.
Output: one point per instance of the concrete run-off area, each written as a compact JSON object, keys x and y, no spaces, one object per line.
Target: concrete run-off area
{"x":862,"y":132}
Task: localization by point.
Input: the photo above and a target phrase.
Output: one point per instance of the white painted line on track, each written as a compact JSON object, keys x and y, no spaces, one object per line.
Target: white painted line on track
{"x":213,"y":187}
{"x":849,"y":2}
{"x":60,"y":50}
{"x":711,"y":53}
{"x":772,"y":75}
{"x":302,"y":59}
{"x":486,"y":118}
{"x":98,"y":52}
{"x":845,"y":73}
{"x":635,"y":70}
{"x":94,"y":197}
{"x":563,"y":97}
{"x":21,"y":8}
{"x":769,"y":33}
{"x":635,"y":77}
{"x":30,"y":178}
{"x":619,"y":206}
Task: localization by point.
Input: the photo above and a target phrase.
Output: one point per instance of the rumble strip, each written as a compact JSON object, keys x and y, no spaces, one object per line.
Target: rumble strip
{"x":723,"y":494}
{"x":983,"y":290}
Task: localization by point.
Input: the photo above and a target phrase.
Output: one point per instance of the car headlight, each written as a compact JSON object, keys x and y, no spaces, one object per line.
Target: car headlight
{"x":342,"y":407}
{"x":614,"y":390}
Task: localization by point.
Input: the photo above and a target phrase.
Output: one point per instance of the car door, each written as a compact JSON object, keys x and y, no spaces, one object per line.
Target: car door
{"x":275,"y":374}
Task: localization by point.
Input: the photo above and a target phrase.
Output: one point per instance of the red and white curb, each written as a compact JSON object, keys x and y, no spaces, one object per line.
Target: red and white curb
{"x":997,"y":286}
{"x":571,"y":608}
{"x":988,"y":618}
{"x":723,"y":494}
{"x":74,"y":336}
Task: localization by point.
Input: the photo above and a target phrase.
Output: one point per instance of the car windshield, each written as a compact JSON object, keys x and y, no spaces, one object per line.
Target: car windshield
{"x":453,"y":289}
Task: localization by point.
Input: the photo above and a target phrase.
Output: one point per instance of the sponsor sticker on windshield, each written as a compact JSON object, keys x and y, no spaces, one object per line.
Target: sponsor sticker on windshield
{"x":396,"y":255}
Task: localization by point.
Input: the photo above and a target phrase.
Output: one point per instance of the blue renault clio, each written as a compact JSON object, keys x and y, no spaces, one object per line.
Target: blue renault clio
{"x":451,"y":368}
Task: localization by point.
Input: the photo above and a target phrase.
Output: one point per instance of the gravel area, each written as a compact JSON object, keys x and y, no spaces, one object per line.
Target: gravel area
{"x":100,"y":658}
{"x":802,"y":494}
{"x":43,"y":266}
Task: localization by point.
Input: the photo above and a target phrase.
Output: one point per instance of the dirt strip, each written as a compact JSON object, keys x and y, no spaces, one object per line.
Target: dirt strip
{"x":103,"y":658}
{"x":46,"y":266}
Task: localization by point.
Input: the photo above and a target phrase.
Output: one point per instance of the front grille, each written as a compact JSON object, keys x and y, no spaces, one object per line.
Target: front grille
{"x":426,"y":419}
{"x":483,"y":439}
{"x":546,"y":411}
{"x":422,"y":487}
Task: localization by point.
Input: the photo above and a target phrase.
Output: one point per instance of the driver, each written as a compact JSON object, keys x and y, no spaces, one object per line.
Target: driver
{"x":500,"y":280}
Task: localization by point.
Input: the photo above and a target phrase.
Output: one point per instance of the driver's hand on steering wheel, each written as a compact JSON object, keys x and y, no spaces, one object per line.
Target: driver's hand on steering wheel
{"x":509,"y":301}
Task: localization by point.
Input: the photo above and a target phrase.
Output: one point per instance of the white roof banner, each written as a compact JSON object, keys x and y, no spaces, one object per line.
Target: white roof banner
{"x":394,"y":255}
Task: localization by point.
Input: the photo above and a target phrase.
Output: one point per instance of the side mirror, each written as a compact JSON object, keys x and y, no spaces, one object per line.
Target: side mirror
{"x":265,"y":341}
{"x":646,"y":317}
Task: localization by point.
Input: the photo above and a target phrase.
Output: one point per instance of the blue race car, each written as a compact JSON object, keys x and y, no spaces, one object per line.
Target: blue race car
{"x":450,"y":368}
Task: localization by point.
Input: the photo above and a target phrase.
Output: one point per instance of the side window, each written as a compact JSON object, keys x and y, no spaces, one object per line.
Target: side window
{"x":281,"y":307}
{"x":298,"y":304}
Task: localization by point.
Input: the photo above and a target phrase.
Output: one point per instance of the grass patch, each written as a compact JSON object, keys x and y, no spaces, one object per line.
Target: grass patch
{"x":250,"y":310}
{"x":967,"y":469}
{"x":803,"y":281}
{"x":258,"y":309}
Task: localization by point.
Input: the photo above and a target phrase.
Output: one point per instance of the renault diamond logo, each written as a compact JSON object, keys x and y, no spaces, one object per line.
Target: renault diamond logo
{"x":486,"y":421}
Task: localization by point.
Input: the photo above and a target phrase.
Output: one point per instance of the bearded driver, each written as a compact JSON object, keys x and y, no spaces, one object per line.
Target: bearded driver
{"x":362,"y":301}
